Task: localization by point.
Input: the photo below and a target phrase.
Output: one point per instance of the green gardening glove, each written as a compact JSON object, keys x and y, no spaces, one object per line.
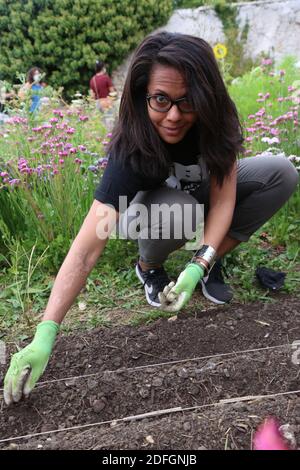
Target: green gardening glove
{"x":176,"y":296}
{"x":27,"y":365}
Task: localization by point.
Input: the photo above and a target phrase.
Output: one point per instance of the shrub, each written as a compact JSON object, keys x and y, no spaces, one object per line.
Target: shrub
{"x":64,"y":37}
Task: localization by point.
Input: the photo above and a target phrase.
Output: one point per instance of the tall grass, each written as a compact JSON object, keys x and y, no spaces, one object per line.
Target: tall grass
{"x":268,"y":103}
{"x":47,"y":185}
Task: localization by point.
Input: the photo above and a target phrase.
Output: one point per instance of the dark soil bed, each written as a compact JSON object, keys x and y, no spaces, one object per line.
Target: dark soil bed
{"x":198,"y":366}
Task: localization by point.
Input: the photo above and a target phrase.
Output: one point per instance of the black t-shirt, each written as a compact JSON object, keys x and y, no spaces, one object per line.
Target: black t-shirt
{"x":186,"y":173}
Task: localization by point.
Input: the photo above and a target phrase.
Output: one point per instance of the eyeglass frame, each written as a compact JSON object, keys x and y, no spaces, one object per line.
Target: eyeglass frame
{"x":172,"y":102}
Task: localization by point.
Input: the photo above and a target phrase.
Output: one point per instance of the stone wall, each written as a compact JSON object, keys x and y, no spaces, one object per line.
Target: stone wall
{"x":273,"y":28}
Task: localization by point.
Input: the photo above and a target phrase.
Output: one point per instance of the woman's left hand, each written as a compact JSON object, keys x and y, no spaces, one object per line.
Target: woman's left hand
{"x":176,"y":296}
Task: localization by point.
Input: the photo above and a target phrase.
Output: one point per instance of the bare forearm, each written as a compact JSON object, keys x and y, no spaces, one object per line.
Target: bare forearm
{"x":217,"y":225}
{"x":68,"y":283}
{"x":222,"y":204}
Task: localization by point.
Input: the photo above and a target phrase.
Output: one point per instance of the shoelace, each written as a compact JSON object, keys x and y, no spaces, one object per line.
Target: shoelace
{"x":159,"y":275}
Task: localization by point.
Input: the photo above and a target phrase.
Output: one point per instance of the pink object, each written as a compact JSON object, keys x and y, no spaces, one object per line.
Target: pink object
{"x":268,"y":437}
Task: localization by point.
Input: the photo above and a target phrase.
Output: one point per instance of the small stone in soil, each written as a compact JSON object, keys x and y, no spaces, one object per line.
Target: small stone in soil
{"x":144,"y":392}
{"x":157,"y":382}
{"x":187,"y":426}
{"x":98,"y":406}
{"x":183,"y":373}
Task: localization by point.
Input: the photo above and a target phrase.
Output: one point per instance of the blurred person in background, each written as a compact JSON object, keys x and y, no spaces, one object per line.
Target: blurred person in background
{"x":101,"y":87}
{"x":34,"y":86}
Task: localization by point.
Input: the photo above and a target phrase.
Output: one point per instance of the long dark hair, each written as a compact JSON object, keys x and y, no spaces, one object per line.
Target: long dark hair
{"x":135,"y":140}
{"x":30,"y":74}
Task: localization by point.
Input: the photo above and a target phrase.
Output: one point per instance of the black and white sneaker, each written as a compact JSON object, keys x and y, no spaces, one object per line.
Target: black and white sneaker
{"x":214,"y":287}
{"x":154,"y":281}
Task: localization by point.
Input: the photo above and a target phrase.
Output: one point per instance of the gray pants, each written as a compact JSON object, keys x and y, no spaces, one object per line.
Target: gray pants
{"x":264,"y":184}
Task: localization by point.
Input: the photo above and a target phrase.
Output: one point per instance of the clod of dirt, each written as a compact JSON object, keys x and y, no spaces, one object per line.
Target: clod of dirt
{"x":183,"y":373}
{"x":98,"y":405}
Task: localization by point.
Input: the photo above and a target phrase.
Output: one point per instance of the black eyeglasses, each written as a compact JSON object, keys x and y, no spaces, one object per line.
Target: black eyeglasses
{"x":163,"y":104}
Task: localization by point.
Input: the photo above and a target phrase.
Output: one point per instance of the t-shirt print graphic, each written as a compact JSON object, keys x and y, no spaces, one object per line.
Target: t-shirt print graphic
{"x":187,"y":177}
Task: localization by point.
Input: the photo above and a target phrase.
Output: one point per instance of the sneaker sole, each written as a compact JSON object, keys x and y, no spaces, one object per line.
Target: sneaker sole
{"x":209,"y":297}
{"x":150,"y":302}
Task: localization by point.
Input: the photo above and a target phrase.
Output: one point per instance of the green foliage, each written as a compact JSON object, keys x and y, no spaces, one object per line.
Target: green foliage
{"x":276,"y":91}
{"x":200,"y":3}
{"x":50,"y":179}
{"x":65,"y":37}
{"x":238,"y":63}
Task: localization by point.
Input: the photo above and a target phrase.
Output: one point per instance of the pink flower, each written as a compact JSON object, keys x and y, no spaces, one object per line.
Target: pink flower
{"x":83,"y":118}
{"x":14,"y":182}
{"x":58,"y":112}
{"x":267,"y":61}
{"x":274,"y":131}
{"x":70,"y":130}
{"x":261,"y":112}
{"x":271,"y":140}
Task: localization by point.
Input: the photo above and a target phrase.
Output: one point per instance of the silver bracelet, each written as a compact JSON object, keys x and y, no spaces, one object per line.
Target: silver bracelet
{"x":207,"y":253}
{"x":205,"y":268}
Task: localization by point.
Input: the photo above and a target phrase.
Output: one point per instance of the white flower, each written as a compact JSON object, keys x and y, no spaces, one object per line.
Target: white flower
{"x":294,"y":158}
{"x":271,"y":140}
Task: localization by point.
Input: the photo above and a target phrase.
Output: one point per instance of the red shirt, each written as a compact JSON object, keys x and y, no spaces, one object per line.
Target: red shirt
{"x":100,"y":85}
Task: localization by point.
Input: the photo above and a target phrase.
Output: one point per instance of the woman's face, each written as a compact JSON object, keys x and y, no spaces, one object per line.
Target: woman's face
{"x":37,"y":76}
{"x":172,"y":125}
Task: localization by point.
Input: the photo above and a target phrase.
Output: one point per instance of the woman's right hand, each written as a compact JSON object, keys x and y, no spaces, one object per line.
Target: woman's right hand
{"x":175,"y":296}
{"x":28,"y":365}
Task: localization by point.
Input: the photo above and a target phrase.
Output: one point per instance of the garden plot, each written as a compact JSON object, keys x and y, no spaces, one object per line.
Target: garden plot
{"x":201,"y":381}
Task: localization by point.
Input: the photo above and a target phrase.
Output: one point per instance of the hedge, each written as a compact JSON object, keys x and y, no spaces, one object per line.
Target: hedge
{"x":65,"y":37}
